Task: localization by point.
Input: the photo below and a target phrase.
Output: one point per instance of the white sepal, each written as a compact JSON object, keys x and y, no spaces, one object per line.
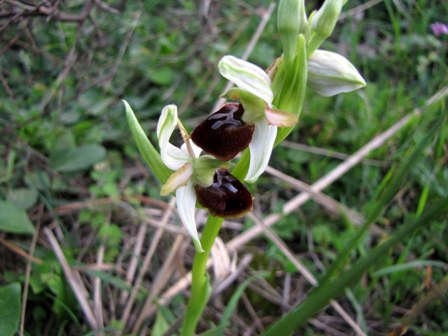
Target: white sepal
{"x":177,"y":179}
{"x":173,"y":157}
{"x":247,"y":76}
{"x":260,"y":147}
{"x":186,"y":205}
{"x":330,"y":74}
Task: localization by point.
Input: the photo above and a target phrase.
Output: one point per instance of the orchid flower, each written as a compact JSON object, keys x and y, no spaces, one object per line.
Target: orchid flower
{"x":197,"y":178}
{"x":253,"y":122}
{"x":255,"y":94}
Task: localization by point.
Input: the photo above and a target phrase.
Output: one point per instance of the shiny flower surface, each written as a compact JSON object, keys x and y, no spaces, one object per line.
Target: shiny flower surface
{"x":197,"y":178}
{"x":255,"y":119}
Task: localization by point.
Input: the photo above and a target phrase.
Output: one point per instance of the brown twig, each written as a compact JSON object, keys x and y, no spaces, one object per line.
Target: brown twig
{"x":49,"y":12}
{"x":21,"y":252}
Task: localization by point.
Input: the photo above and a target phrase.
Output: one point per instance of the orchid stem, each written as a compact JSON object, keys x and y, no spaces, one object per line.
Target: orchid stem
{"x":200,"y":284}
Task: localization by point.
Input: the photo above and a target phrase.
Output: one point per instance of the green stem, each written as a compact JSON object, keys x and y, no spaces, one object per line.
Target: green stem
{"x":200,"y":286}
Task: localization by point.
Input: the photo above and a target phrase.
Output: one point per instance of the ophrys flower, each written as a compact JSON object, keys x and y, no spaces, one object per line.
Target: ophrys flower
{"x":197,"y":178}
{"x":252,"y":122}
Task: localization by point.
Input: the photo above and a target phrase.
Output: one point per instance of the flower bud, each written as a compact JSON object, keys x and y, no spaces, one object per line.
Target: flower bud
{"x":291,"y":21}
{"x":326,"y":17}
{"x":330,"y":74}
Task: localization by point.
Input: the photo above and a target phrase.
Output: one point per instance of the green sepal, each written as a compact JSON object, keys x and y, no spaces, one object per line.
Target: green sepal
{"x":204,"y":169}
{"x":291,"y":21}
{"x":146,"y":148}
{"x":323,"y":22}
{"x":289,"y":86}
{"x":253,"y":106}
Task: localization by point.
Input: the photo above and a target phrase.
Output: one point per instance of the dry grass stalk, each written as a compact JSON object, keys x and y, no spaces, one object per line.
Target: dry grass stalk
{"x":320,"y":198}
{"x":29,"y":266}
{"x":159,"y":283}
{"x":134,"y":259}
{"x":244,"y":263}
{"x":303,"y":270}
{"x":146,"y":263}
{"x":20,"y":251}
{"x":97,"y":300}
{"x":73,"y":279}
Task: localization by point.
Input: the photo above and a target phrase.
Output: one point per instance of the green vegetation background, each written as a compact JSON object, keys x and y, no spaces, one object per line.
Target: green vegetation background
{"x":64,"y":139}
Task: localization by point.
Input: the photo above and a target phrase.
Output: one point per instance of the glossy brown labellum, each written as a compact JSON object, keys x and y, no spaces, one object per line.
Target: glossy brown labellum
{"x":227,"y":197}
{"x":224,"y":134}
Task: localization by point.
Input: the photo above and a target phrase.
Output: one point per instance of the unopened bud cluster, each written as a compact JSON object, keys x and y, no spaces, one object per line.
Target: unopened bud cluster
{"x":328,"y":73}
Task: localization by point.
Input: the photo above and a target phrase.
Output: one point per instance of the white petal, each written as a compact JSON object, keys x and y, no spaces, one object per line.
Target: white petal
{"x":260,"y":147}
{"x":247,"y":76}
{"x":186,"y":205}
{"x":172,"y":156}
{"x":196,"y":150}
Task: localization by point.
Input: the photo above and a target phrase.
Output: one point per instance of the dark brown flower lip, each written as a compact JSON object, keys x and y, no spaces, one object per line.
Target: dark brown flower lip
{"x":226,"y":197}
{"x":223,"y":134}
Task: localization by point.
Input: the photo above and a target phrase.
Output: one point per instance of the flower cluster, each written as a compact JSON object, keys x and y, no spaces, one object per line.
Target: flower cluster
{"x":251,"y":122}
{"x":261,"y":104}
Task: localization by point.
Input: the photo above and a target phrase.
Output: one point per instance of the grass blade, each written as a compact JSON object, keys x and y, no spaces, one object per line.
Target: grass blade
{"x":320,"y":297}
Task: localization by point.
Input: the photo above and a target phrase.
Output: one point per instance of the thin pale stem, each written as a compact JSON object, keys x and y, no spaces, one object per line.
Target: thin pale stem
{"x":186,"y":138}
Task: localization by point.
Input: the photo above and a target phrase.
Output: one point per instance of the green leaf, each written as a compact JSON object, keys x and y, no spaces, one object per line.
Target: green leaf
{"x":9,"y":309}
{"x":149,"y":153}
{"x":14,"y":219}
{"x":76,"y":159}
{"x":108,"y":278}
{"x":38,"y":179}
{"x":23,"y":198}
{"x":160,"y":326}
{"x":162,"y":76}
{"x":234,"y":301}
{"x":214,"y":331}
